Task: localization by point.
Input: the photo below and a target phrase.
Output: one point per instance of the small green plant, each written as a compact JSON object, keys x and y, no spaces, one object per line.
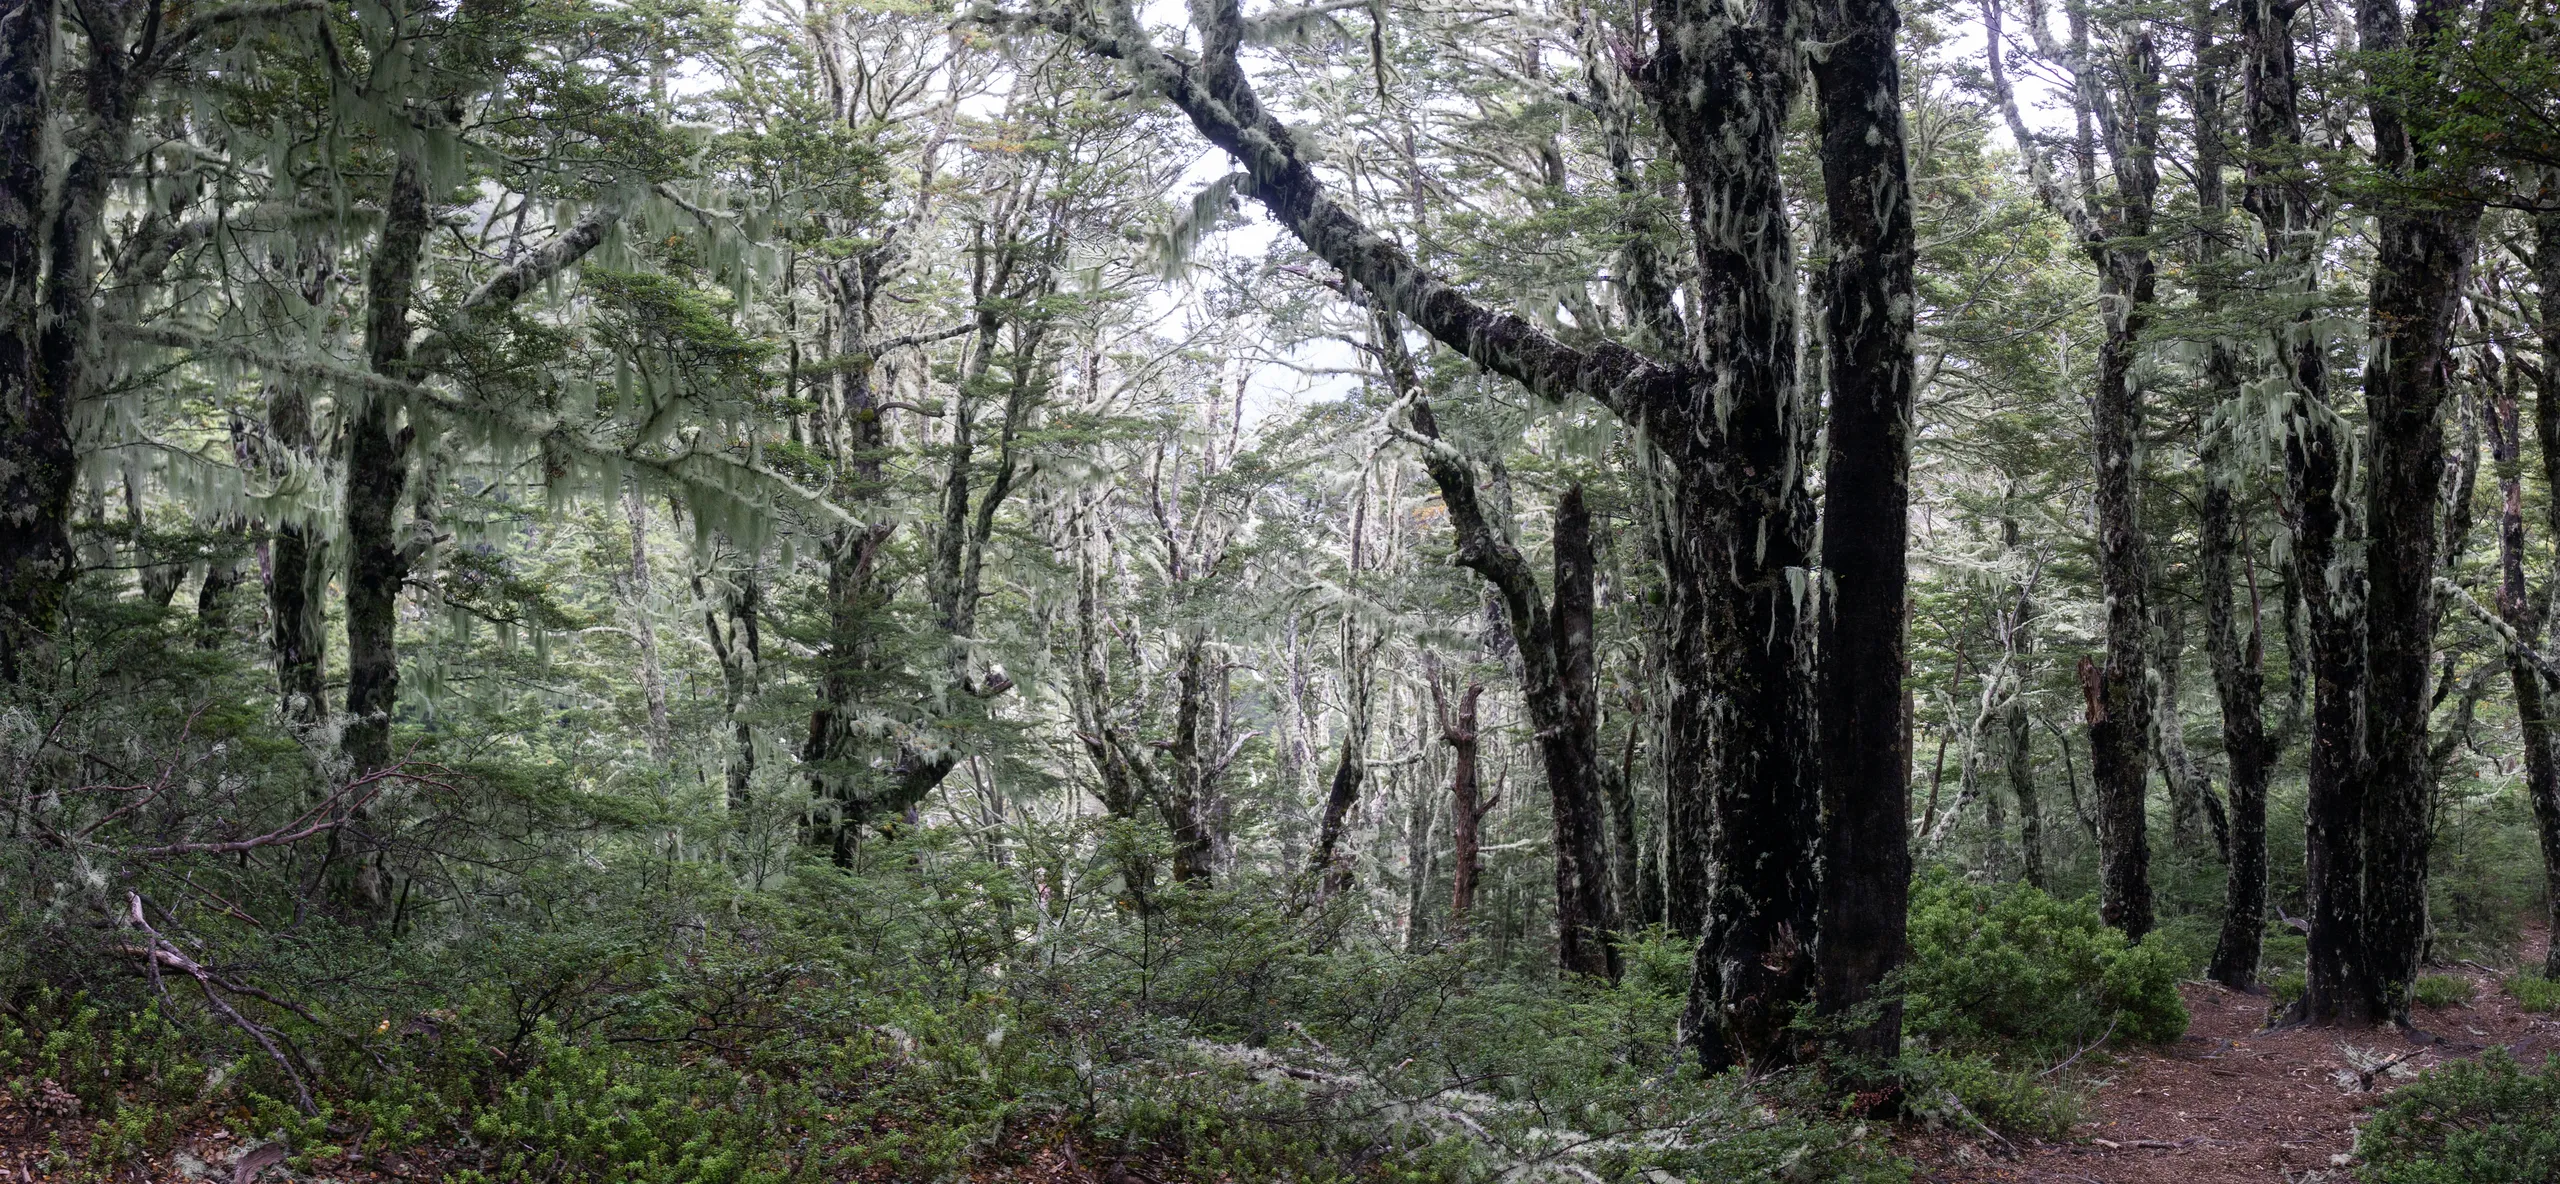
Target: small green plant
{"x":2009,"y":969}
{"x":2489,"y":1121}
{"x":2442,"y":990}
{"x":2534,"y":992}
{"x":1957,"y":1091}
{"x":2289,"y":986}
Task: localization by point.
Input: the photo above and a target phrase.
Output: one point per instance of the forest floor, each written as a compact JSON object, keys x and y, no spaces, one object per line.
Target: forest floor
{"x":2230,"y":1102}
{"x":2234,"y":1102}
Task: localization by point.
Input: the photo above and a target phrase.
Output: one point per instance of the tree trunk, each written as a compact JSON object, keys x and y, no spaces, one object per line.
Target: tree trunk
{"x":2522,"y":614}
{"x":1867,"y":339}
{"x":2120,"y":707}
{"x":2022,"y":782}
{"x":644,"y":630}
{"x":2546,"y":422}
{"x":1558,"y":670}
{"x":2239,"y":680}
{"x":2422,"y":259}
{"x":737,"y":640}
{"x":1349,"y":770}
{"x":1466,"y":811}
{"x":1182,"y":806}
{"x":213,"y":600}
{"x":377,"y":474}
{"x":297,"y":575}
{"x":1585,"y":928}
{"x":1744,"y":783}
{"x":2280,"y":193}
{"x":1617,"y":787}
{"x":37,"y":461}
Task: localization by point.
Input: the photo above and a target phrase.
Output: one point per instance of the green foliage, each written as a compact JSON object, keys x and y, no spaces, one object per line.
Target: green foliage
{"x":2534,"y":993}
{"x":1961,"y":1090}
{"x":2443,"y":990}
{"x":2485,"y":1121}
{"x":2010,"y":968}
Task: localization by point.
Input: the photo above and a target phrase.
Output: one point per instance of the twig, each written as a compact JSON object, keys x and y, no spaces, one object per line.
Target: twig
{"x":161,"y":952}
{"x":2102,"y":1039}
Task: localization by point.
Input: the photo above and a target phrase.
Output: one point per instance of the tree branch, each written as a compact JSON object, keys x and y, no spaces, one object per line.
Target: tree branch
{"x":1222,"y":104}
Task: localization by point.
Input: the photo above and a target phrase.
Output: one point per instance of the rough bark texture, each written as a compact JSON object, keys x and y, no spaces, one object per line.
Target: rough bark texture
{"x":2522,"y":614}
{"x":1742,"y":564}
{"x":1182,"y":804}
{"x":44,"y":314}
{"x":1584,"y":923}
{"x":2119,"y":711}
{"x":1466,"y":807}
{"x":2235,"y":648}
{"x":1341,"y":793}
{"x":2239,"y":680}
{"x":377,"y":475}
{"x":298,"y":575}
{"x":1867,"y":337}
{"x":2290,"y":212}
{"x":2422,"y":257}
{"x":2546,"y":424}
{"x":644,"y":630}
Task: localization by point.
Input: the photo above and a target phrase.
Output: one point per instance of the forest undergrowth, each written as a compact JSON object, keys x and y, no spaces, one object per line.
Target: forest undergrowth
{"x":609,"y":999}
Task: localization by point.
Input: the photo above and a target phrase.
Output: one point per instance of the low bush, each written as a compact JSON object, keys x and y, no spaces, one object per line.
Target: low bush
{"x":2442,"y":991}
{"x":2011,"y":970}
{"x":2489,"y":1121}
{"x":2534,"y":992}
{"x":1959,"y":1090}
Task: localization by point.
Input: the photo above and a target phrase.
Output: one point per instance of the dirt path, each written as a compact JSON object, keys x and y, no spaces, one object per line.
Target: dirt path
{"x":2234,"y":1102}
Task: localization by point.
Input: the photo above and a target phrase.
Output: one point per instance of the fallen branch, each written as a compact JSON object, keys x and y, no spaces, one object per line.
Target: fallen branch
{"x":159,"y":951}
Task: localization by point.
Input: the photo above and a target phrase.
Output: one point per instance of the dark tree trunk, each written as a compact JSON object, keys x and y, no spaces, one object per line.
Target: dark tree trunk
{"x":2022,"y":782}
{"x":1867,"y":338}
{"x":2239,"y":680}
{"x":44,"y":315}
{"x":297,"y":575}
{"x":1744,"y":782}
{"x":1182,"y":806}
{"x":2422,"y":258}
{"x":1584,"y":925}
{"x":2522,"y":614}
{"x":1466,"y":807}
{"x":2546,"y":423}
{"x":841,"y":799}
{"x":2280,"y":193}
{"x":730,"y":623}
{"x":1349,"y":770}
{"x":1626,"y":863}
{"x":2120,"y":708}
{"x":213,"y":600}
{"x":2236,"y":648}
{"x":377,"y":475}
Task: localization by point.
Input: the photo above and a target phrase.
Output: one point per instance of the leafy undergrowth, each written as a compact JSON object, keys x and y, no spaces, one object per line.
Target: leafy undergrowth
{"x":927,"y":1019}
{"x":2480,"y":1121}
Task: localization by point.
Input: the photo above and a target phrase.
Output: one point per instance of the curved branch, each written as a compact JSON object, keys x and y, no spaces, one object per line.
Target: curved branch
{"x":1221,"y":102}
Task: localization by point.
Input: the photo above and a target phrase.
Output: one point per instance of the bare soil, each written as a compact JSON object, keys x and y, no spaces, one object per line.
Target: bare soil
{"x":2234,"y":1101}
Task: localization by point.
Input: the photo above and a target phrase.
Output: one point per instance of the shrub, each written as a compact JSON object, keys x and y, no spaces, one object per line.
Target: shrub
{"x":2488,"y":1121}
{"x":2442,"y":990}
{"x":2534,"y":992}
{"x":1943,"y":1089}
{"x":2011,"y":969}
{"x":2289,"y":986}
